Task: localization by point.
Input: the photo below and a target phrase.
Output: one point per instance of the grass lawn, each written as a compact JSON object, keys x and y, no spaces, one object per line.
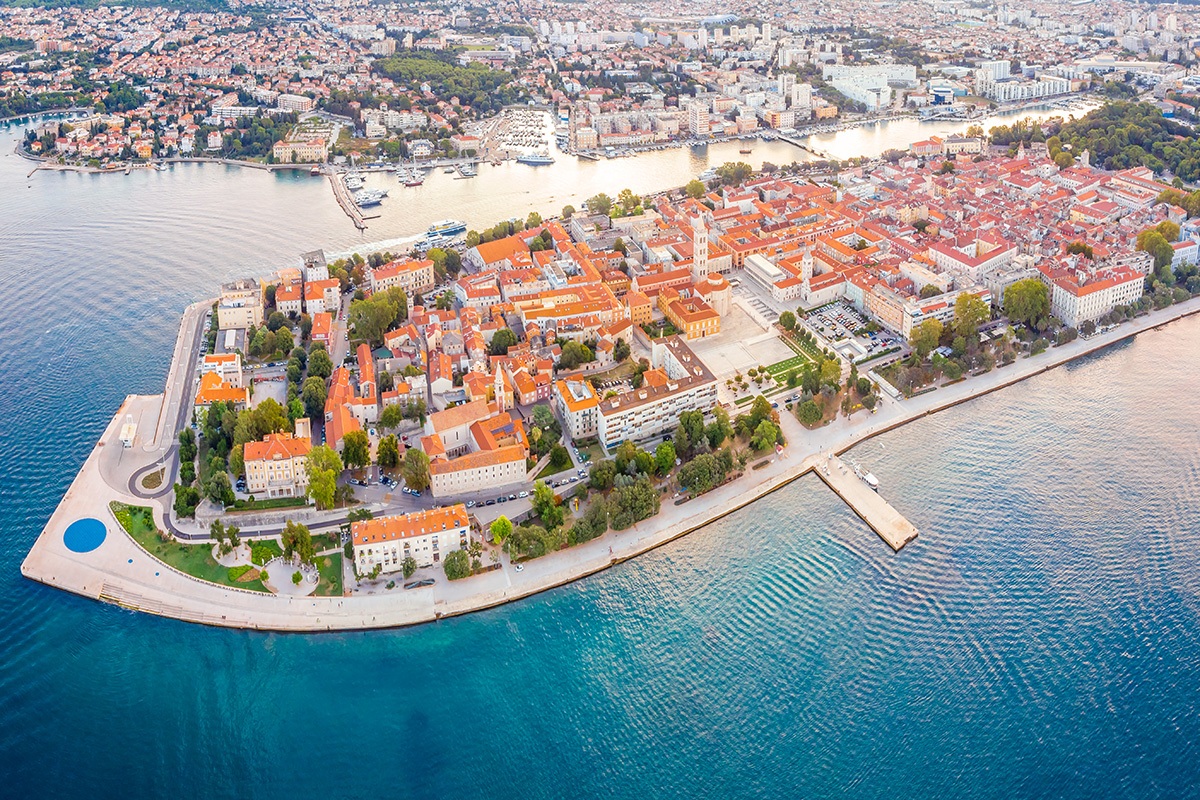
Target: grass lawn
{"x":780,"y":369}
{"x":275,"y":502}
{"x":153,"y":480}
{"x":326,"y":541}
{"x":331,"y":575}
{"x":193,"y":559}
{"x":550,"y":469}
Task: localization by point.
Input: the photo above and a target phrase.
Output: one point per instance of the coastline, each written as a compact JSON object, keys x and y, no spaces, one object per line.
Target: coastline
{"x":120,"y":572}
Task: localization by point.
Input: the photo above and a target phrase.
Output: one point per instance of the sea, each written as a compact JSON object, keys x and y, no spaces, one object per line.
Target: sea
{"x":1039,"y":639}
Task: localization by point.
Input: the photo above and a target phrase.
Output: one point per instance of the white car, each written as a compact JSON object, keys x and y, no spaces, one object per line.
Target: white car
{"x":523,"y":494}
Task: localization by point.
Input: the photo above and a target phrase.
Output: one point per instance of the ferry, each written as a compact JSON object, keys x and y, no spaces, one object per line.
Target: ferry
{"x":447,"y":227}
{"x":369,"y":197}
{"x":315,"y":171}
{"x":536,"y":159}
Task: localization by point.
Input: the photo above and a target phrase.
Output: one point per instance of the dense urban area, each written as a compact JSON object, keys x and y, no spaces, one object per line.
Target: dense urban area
{"x":390,"y":420}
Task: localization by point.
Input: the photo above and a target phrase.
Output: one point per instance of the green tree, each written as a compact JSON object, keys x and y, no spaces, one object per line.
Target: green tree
{"x":323,"y":465}
{"x":501,"y":529}
{"x":297,"y":539}
{"x":219,"y":489}
{"x":602,"y":475}
{"x":501,"y":341}
{"x":391,"y":416}
{"x":664,"y":458}
{"x":408,"y":566}
{"x":568,"y":211}
{"x":313,"y":396}
{"x":765,"y":435}
{"x":695,"y":189}
{"x":787,"y":320}
{"x":560,"y":459}
{"x":545,"y":505}
{"x":925,"y":337}
{"x":186,"y":500}
{"x":574,"y":354}
{"x":809,"y":413}
{"x":599,"y":204}
{"x":1168,"y":229}
{"x":533,"y":220}
{"x":388,"y":452}
{"x":415,"y":469}
{"x":457,"y":565}
{"x":1027,"y":302}
{"x":356,"y":449}
{"x":319,"y":363}
{"x":969,"y":313}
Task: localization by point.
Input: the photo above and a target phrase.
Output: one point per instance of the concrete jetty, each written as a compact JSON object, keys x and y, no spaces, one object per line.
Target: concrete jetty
{"x":346,"y":201}
{"x":889,"y":523}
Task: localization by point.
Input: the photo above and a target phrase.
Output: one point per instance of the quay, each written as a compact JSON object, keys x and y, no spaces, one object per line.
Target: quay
{"x":342,"y":195}
{"x":878,"y":513}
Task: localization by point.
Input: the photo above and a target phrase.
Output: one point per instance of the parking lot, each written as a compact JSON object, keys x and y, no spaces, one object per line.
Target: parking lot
{"x":838,"y":324}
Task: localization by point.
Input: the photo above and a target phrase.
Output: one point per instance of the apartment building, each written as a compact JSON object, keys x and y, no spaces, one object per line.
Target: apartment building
{"x":678,"y":381}
{"x":276,"y":466}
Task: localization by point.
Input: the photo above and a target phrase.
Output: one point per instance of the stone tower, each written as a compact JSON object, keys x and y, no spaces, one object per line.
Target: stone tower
{"x":699,"y":249}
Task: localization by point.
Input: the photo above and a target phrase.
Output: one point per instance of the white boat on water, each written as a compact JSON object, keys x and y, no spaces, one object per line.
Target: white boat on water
{"x":353,"y":181}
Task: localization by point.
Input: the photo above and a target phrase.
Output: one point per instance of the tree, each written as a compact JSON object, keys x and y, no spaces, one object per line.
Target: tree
{"x":297,"y":577}
{"x":787,"y":321}
{"x":372,"y":317}
{"x":545,"y":505}
{"x":1168,"y":229}
{"x":664,"y":458}
{"x":633,"y":503}
{"x":602,"y":475}
{"x":356,"y":449}
{"x":219,"y":489}
{"x":388,"y":452}
{"x":533,"y":220}
{"x":408,"y":566}
{"x":719,"y":429}
{"x":1155,"y":244}
{"x":574,"y":354}
{"x":391,"y":416}
{"x":297,"y":539}
{"x":323,"y":465}
{"x":415,"y":469}
{"x":929,"y":290}
{"x":457,"y":565}
{"x":568,"y":211}
{"x":599,"y":204}
{"x":809,"y":413}
{"x":313,"y":396}
{"x":501,"y":529}
{"x":695,"y":189}
{"x":969,"y":313}
{"x":765,"y":435}
{"x":501,"y":341}
{"x":560,"y":459}
{"x":925,"y":337}
{"x":319,"y":363}
{"x":621,"y":350}
{"x":276,"y":321}
{"x":1027,"y":302}
{"x":186,"y":500}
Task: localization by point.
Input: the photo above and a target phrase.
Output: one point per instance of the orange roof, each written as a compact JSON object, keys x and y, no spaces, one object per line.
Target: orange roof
{"x":214,"y":390}
{"x":276,"y":446}
{"x":405,"y":526}
{"x":459,"y":415}
{"x":482,"y":458}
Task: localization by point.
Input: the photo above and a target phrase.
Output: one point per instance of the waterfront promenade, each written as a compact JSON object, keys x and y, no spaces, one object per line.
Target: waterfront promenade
{"x":118,"y":570}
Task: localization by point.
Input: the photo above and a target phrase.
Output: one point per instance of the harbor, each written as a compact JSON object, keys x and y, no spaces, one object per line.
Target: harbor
{"x":859,"y":490}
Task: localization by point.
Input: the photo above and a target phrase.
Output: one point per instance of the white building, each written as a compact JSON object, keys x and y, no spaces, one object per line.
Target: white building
{"x":679,"y":381}
{"x":425,"y":536}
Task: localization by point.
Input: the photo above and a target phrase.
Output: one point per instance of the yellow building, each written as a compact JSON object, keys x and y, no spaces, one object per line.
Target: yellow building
{"x":276,"y":466}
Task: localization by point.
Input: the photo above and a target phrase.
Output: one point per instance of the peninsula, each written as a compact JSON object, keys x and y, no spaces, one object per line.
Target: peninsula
{"x":385,"y":441}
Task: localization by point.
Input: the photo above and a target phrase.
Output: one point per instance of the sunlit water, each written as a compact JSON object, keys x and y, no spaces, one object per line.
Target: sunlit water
{"x":1038,"y":640}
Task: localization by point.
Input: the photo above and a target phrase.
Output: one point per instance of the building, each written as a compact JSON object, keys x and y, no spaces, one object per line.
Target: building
{"x":678,"y":381}
{"x":277,"y":466}
{"x":474,"y":472}
{"x":425,"y":536}
{"x":578,"y":407}
{"x":411,"y":275}
{"x":228,"y":366}
{"x":1078,"y":296}
{"x":215,"y":390}
{"x":240,"y":305}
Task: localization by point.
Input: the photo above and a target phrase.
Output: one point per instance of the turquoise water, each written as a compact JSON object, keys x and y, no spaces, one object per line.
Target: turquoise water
{"x":1039,"y":639}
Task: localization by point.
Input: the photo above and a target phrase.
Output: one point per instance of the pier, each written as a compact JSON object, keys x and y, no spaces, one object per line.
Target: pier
{"x":885,"y":520}
{"x":342,"y":195}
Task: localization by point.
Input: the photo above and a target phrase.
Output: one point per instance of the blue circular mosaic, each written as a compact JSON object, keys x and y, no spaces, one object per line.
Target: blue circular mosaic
{"x":84,"y":535}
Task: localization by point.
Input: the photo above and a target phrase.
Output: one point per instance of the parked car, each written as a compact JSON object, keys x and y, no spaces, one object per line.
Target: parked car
{"x":523,"y":494}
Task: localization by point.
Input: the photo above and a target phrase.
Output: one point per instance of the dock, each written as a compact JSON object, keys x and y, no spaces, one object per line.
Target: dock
{"x":886,"y":521}
{"x":346,"y":201}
